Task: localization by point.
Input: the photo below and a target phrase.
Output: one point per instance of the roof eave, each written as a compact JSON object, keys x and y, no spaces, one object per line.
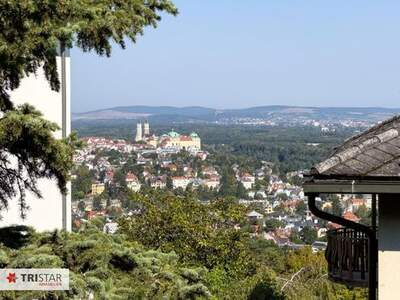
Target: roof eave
{"x":352,"y":185}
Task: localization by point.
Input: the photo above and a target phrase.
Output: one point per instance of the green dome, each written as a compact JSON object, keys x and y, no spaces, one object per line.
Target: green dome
{"x":173,"y":134}
{"x":194,"y":135}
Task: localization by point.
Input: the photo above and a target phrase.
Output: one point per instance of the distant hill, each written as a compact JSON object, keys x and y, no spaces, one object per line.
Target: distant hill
{"x":203,"y":114}
{"x":141,"y":112}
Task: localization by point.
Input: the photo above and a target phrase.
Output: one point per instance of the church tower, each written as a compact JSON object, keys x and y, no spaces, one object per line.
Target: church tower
{"x":139,"y":133}
{"x":146,"y":128}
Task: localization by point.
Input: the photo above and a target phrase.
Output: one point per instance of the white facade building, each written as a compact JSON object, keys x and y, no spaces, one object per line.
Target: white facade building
{"x":139,"y":132}
{"x":180,"y":182}
{"x":53,"y":210}
{"x":146,"y":128}
{"x":132,"y":182}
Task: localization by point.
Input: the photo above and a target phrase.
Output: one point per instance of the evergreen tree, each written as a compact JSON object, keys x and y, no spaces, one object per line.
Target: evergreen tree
{"x":301,"y":208}
{"x":228,"y":183}
{"x":82,"y":205}
{"x":82,"y":185}
{"x":364,"y":214}
{"x":97,"y":203}
{"x":30,"y":33}
{"x":309,"y":235}
{"x":337,"y":208}
{"x":169,"y":183}
{"x":101,"y":266}
{"x":241,"y":192}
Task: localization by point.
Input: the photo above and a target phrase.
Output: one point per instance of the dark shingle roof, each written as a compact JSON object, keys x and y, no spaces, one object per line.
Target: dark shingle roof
{"x":375,"y":152}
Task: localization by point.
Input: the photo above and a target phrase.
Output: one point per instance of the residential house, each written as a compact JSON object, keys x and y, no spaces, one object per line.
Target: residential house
{"x":248,"y":181}
{"x":354,"y":203}
{"x":159,"y":182}
{"x":180,"y":182}
{"x":109,"y":176}
{"x":366,"y":164}
{"x":212,"y":182}
{"x":110,"y":227}
{"x":268,"y":209}
{"x":132,"y":182}
{"x":254,"y":216}
{"x":97,"y":188}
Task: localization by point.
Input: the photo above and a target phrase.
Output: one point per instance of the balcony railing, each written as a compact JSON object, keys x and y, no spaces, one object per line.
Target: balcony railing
{"x":347,"y":256}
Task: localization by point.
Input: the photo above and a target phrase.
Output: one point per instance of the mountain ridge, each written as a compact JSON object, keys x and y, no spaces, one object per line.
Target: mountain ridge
{"x":200,"y":113}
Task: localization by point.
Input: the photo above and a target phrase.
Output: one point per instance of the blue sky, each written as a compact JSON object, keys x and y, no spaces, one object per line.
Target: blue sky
{"x":232,"y":54}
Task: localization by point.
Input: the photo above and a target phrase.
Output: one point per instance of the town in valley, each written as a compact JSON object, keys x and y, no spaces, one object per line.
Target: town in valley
{"x":110,"y":173}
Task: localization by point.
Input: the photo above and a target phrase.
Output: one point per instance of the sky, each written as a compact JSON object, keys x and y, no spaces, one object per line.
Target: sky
{"x":234,"y":54}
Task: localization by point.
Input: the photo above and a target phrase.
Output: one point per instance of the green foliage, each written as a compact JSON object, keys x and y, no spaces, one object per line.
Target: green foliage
{"x":364,"y":214}
{"x":301,"y":208}
{"x":169,"y":183}
{"x":262,"y":285}
{"x":97,"y":203}
{"x":309,"y":235}
{"x":238,"y":267}
{"x":198,"y":233}
{"x":15,"y":237}
{"x":229,"y":185}
{"x":29,"y":138}
{"x":213,"y":262}
{"x":241,"y":192}
{"x":337,"y":207}
{"x":264,"y":291}
{"x":4,"y":258}
{"x":283,"y":196}
{"x":81,"y":205}
{"x":272,"y":224}
{"x":266,"y":253}
{"x":82,"y":185}
{"x":308,"y":279}
{"x":295,"y":238}
{"x":109,"y":267}
{"x":30,"y":33}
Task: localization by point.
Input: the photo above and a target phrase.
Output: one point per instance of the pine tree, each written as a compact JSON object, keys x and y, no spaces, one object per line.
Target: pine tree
{"x":169,"y":183}
{"x":30,"y":32}
{"x":241,"y":192}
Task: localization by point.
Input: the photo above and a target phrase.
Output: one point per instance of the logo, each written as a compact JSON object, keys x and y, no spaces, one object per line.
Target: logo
{"x":34,"y":279}
{"x":11,"y":278}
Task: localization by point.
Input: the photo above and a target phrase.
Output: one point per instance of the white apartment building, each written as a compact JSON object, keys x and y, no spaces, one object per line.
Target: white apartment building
{"x":132,"y":182}
{"x":53,"y":210}
{"x":180,"y":182}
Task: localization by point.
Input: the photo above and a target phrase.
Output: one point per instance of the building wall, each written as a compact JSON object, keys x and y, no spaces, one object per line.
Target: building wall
{"x":53,"y":211}
{"x":134,"y":186}
{"x":186,"y":144}
{"x":139,"y":132}
{"x":97,"y":188}
{"x":389,"y":247}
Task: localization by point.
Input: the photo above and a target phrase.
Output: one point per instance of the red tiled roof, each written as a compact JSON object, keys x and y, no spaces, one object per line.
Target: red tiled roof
{"x":185,"y":138}
{"x":179,"y":178}
{"x":131,"y":177}
{"x":357,"y":201}
{"x":348,"y":215}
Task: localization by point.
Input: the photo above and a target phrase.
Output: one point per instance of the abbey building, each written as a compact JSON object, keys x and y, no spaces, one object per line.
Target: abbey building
{"x":171,"y":139}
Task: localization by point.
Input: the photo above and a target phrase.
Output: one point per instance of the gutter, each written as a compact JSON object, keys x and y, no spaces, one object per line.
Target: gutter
{"x":372,"y":241}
